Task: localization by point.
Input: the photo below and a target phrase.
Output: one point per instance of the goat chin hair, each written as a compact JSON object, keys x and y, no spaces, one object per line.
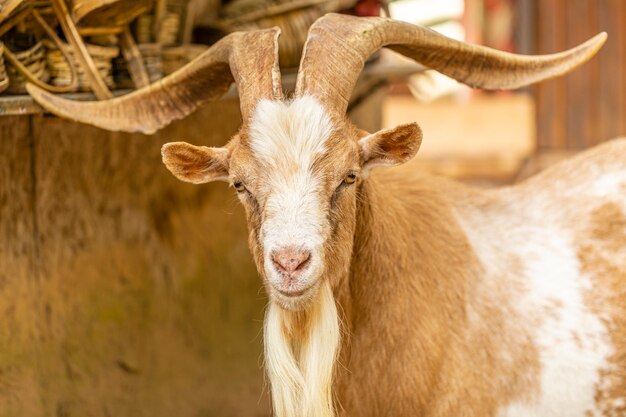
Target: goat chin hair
{"x":300,"y":353}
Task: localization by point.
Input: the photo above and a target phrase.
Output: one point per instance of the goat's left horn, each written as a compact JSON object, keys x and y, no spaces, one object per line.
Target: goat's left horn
{"x":248,"y":58}
{"x":338,"y":45}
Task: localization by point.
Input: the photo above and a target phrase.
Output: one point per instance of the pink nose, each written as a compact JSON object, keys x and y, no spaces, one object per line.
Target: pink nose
{"x":291,"y":261}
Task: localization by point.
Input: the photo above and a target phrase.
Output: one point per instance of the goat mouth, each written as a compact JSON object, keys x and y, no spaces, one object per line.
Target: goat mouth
{"x":296,"y":299}
{"x":293,"y":293}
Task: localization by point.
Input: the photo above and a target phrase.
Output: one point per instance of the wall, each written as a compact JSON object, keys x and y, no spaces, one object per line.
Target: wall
{"x":587,"y":106}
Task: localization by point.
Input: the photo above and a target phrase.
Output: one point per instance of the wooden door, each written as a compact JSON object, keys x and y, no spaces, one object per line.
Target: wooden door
{"x":588,"y":106}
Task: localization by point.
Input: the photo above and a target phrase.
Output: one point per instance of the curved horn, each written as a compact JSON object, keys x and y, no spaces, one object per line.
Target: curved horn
{"x":338,"y":46}
{"x":248,"y":58}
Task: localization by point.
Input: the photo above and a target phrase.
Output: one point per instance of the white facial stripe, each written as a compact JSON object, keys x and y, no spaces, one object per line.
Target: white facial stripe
{"x":295,"y":130}
{"x":294,"y":217}
{"x":287,"y":136}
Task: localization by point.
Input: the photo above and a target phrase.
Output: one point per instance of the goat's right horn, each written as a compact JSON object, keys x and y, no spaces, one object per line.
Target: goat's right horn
{"x":338,"y":46}
{"x":248,"y":58}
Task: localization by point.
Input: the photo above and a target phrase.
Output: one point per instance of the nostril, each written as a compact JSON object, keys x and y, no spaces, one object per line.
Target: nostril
{"x":304,"y":262}
{"x":289,"y":259}
{"x":277,"y":264}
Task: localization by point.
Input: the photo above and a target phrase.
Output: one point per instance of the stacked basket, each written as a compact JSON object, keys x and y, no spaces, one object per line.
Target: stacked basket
{"x":31,"y":55}
{"x":108,"y":13}
{"x":293,"y":17}
{"x":152,"y":54}
{"x":176,"y":57}
{"x":60,"y":70}
{"x":146,"y":39}
{"x":4,"y":78}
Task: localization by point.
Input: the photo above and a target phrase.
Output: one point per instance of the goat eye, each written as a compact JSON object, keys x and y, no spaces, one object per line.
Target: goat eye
{"x":350,"y":179}
{"x":239,"y":187}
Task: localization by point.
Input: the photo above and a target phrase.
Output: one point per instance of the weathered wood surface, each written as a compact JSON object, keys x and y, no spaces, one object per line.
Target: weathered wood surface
{"x":587,"y":106}
{"x":123,"y":291}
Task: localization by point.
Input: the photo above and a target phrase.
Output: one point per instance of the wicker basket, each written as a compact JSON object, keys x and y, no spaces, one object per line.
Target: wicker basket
{"x":44,"y":12}
{"x":171,"y":27}
{"x":294,"y":25}
{"x":32,"y":58}
{"x":293,"y":17}
{"x":4,"y":77}
{"x":41,"y":4}
{"x":151,"y":54}
{"x":177,"y":57}
{"x":168,"y":29}
{"x":152,"y":58}
{"x":60,"y":71}
{"x":108,"y":12}
{"x":9,"y":8}
{"x":143,"y":28}
{"x":163,"y":25}
{"x":23,"y":31}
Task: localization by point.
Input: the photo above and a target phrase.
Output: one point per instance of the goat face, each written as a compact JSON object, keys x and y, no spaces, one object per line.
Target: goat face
{"x":297,"y":172}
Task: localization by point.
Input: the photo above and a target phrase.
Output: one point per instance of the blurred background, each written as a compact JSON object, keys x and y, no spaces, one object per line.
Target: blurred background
{"x":503,"y":137}
{"x":125,"y":292}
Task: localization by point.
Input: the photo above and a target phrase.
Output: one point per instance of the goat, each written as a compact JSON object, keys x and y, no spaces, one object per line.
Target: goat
{"x":393,"y":293}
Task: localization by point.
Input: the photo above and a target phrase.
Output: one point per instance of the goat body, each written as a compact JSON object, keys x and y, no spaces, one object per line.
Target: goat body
{"x":508,"y":302}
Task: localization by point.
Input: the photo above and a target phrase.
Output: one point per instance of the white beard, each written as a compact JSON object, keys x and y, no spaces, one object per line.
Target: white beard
{"x":300,"y":353}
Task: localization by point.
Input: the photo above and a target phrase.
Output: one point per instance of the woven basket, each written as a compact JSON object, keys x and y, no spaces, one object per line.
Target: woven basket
{"x":9,"y":8}
{"x":206,"y":12}
{"x":172,"y":22}
{"x":24,"y":29}
{"x":4,"y":77}
{"x":168,"y":30}
{"x":143,"y":28}
{"x":41,"y":4}
{"x":248,"y":10}
{"x":294,"y":26}
{"x":60,"y":71}
{"x":151,"y":54}
{"x":33,"y":59}
{"x":54,"y":11}
{"x":170,"y":15}
{"x":293,"y":17}
{"x":108,"y":12}
{"x":177,"y":57}
{"x":152,"y":58}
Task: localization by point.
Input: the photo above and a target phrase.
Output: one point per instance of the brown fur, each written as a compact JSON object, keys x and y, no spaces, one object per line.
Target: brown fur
{"x":195,"y":164}
{"x":413,"y":350}
{"x":604,"y":259}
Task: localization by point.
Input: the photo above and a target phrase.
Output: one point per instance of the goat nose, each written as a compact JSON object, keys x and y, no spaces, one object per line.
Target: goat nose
{"x":290,"y":260}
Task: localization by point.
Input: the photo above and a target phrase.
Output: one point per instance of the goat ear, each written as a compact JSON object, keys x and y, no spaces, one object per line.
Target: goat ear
{"x":196,"y":164}
{"x":389,"y":147}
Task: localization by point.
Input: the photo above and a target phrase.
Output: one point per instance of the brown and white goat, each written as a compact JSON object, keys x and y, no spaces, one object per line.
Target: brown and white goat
{"x":393,"y":293}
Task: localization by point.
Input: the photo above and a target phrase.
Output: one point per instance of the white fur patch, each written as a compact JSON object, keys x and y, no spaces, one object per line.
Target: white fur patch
{"x":296,"y":130}
{"x":301,"y":371}
{"x":572,"y":341}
